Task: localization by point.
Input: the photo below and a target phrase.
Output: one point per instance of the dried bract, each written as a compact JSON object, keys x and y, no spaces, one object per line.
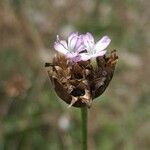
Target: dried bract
{"x":78,"y":83}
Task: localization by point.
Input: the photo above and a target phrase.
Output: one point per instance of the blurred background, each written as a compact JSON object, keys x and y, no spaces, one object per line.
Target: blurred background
{"x":31,"y":116}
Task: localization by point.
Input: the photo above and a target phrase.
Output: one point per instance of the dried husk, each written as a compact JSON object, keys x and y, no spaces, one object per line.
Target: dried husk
{"x":79,"y":83}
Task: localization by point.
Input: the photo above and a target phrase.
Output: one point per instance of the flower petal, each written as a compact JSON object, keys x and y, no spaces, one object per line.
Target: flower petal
{"x":71,"y":55}
{"x":102,"y":43}
{"x":101,"y":53}
{"x":79,"y":44}
{"x":73,"y":42}
{"x":61,"y":46}
{"x":73,"y":34}
{"x":85,"y":56}
{"x":89,"y":36}
{"x":88,"y":41}
{"x":80,"y":48}
{"x":64,"y":43}
{"x":77,"y":58}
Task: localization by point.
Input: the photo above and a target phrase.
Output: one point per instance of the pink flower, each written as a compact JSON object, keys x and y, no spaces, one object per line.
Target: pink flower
{"x":94,"y":50}
{"x":72,"y":47}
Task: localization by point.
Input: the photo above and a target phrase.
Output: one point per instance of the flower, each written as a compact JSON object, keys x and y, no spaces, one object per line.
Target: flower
{"x":94,"y":50}
{"x":70,"y":48}
{"x":80,"y":82}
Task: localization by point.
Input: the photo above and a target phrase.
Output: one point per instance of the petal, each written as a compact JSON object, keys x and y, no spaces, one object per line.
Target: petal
{"x":80,"y":48}
{"x":73,"y":42}
{"x":71,"y":55}
{"x":88,"y":41}
{"x":79,"y":44}
{"x":102,"y":43}
{"x":64,"y":43}
{"x":101,"y":53}
{"x":89,"y":36}
{"x":85,"y":56}
{"x":73,"y":34}
{"x":61,"y":47}
{"x":77,"y":58}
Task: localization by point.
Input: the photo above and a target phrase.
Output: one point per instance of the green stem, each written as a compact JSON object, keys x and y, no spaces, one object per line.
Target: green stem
{"x":84,"y":116}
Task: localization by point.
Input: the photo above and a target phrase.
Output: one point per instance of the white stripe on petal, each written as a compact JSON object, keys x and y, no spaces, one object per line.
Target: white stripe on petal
{"x":102,"y":43}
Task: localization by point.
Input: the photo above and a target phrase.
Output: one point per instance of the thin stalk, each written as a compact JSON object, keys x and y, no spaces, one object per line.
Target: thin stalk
{"x":84,"y":116}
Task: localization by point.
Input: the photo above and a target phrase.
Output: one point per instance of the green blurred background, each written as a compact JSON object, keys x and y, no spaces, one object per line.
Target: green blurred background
{"x":31,"y":116}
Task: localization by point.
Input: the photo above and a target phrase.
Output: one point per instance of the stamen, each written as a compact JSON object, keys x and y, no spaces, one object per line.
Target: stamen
{"x":57,"y":38}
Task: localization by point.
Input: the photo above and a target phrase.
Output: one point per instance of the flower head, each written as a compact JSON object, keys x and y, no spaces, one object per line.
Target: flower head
{"x":80,"y":82}
{"x":94,"y":49}
{"x":70,"y":48}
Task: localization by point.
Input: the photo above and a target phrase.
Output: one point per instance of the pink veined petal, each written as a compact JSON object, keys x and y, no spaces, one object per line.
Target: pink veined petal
{"x":89,"y":36}
{"x":78,"y":43}
{"x":102,"y":43}
{"x":73,"y":42}
{"x":79,"y":47}
{"x":71,"y":36}
{"x":60,"y":47}
{"x":88,"y":41}
{"x":88,"y":45}
{"x":64,"y":43}
{"x":85,"y":56}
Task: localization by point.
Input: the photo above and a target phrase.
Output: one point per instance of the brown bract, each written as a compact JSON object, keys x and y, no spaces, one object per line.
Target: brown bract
{"x":79,"y":83}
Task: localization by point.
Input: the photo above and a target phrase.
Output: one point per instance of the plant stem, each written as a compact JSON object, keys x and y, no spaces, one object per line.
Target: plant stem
{"x":84,"y":115}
